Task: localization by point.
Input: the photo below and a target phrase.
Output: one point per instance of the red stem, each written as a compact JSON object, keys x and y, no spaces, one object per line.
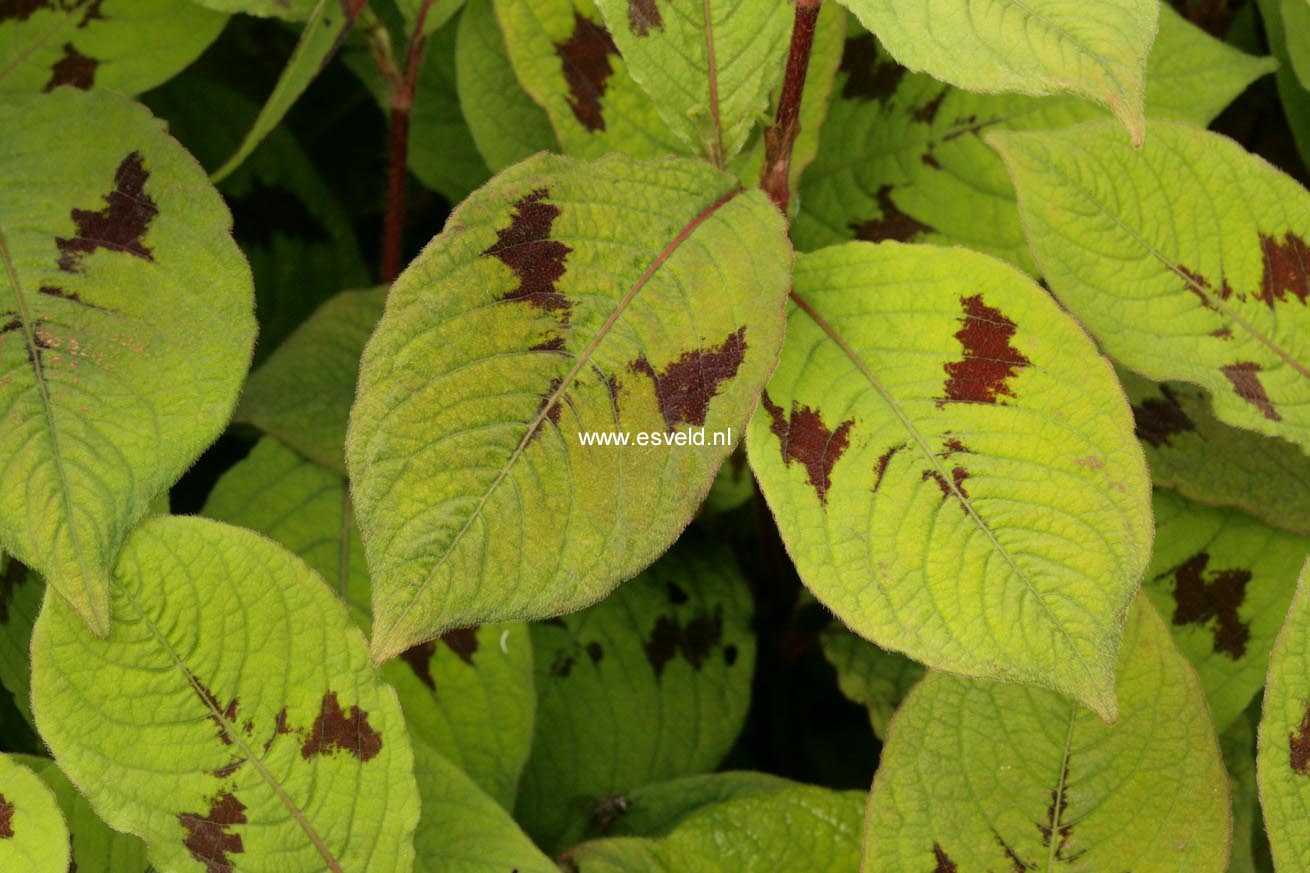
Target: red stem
{"x":775,"y":175}
{"x":401,"y":100}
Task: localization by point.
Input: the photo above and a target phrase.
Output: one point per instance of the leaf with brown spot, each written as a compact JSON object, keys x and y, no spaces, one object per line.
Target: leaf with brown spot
{"x":74,"y":69}
{"x":212,"y":839}
{"x":33,"y":833}
{"x":892,"y":224}
{"x":990,"y":359}
{"x":804,"y":438}
{"x":685,"y":387}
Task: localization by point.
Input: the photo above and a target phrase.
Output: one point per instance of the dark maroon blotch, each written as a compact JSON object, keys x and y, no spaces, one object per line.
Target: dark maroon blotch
{"x":1244,"y":376}
{"x":944,"y":864}
{"x":893,"y":224}
{"x":1286,"y":269}
{"x":868,"y":77}
{"x":463,"y":641}
{"x":644,"y":16}
{"x":928,"y":111}
{"x":419,"y":659}
{"x":990,"y":360}
{"x":334,"y":729}
{"x":1158,"y":419}
{"x":562,"y":665}
{"x":1201,"y":287}
{"x":1202,"y":597}
{"x":223,"y":717}
{"x":526,"y":248}
{"x":1299,"y":745}
{"x":696,"y":639}
{"x":585,"y":58}
{"x":883,"y":461}
{"x":209,"y":837}
{"x":807,"y":440}
{"x":6,"y":819}
{"x":958,"y":475}
{"x":120,"y":226}
{"x":74,"y":69}
{"x":685,"y":387}
{"x":1055,"y":813}
{"x":595,"y":651}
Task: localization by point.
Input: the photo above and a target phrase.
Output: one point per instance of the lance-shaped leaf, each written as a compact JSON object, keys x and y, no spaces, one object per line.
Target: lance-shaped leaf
{"x":246,"y":728}
{"x":650,"y":684}
{"x":952,"y":466}
{"x":1222,"y":580}
{"x":901,"y":156}
{"x":709,"y":66}
{"x":96,"y":847}
{"x":872,"y":677}
{"x":988,"y":776}
{"x":1146,"y":249}
{"x":33,"y":834}
{"x":1025,"y":46}
{"x":506,"y":124}
{"x":303,"y":392}
{"x":792,"y":830}
{"x":1209,"y":462}
{"x":128,"y":329}
{"x":127,"y":46}
{"x":564,"y":297}
{"x":565,"y":58}
{"x":468,"y":694}
{"x":1283,"y":757}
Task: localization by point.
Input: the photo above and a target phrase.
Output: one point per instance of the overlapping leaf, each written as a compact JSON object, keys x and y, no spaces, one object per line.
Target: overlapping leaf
{"x":988,"y":776}
{"x":1223,"y":581}
{"x":1295,"y":100}
{"x":20,"y":603}
{"x":439,"y":13}
{"x":1212,"y":463}
{"x":246,"y":727}
{"x":1025,"y":46}
{"x":1238,"y":747}
{"x":654,"y":810}
{"x":952,"y":467}
{"x":876,"y":679}
{"x":709,"y":66}
{"x":901,"y":157}
{"x":33,"y":834}
{"x":564,"y":297}
{"x":650,"y":684}
{"x":469,"y":695}
{"x":128,"y":329}
{"x":1296,"y":24}
{"x":128,"y":46}
{"x":292,"y":10}
{"x":566,"y":59}
{"x":1151,"y":252}
{"x":96,"y":847}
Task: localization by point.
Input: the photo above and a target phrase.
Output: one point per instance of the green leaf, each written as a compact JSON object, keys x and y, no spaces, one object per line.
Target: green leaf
{"x":1296,"y":25}
{"x":323,"y":34}
{"x":876,"y":679}
{"x":462,"y":830}
{"x":793,"y":830}
{"x":96,"y":847}
{"x":127,"y":46}
{"x":654,"y":810}
{"x":303,"y":392}
{"x":650,"y":684}
{"x":505,"y":122}
{"x":1175,"y":285}
{"x":900,"y":157}
{"x":1295,"y":100}
{"x":563,"y":297}
{"x":20,"y":603}
{"x":469,"y":694}
{"x":1224,"y":581}
{"x":1283,"y":756}
{"x":439,"y":13}
{"x":565,"y":58}
{"x":129,"y":327}
{"x":245,"y":726}
{"x":952,"y":467}
{"x":1025,"y":46}
{"x":291,"y":10}
{"x":987,"y":776}
{"x":1206,"y":461}
{"x":1238,"y":747}
{"x":709,"y":66}
{"x":33,"y":835}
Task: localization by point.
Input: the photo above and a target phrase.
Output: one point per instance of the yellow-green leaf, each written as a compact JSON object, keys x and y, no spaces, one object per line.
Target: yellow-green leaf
{"x":33,"y":835}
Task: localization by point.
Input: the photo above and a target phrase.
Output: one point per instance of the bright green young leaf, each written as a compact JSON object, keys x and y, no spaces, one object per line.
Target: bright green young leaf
{"x":1283,"y":757}
{"x":792,"y":830}
{"x":952,"y":467}
{"x":900,"y":157}
{"x":1238,"y":747}
{"x":303,"y":392}
{"x":650,"y":684}
{"x":565,"y":58}
{"x":1097,"y":50}
{"x":564,"y":297}
{"x":127,"y":46}
{"x":988,"y":776}
{"x":246,"y":727}
{"x":709,"y":66}
{"x":33,"y":835}
{"x":324,"y":31}
{"x":469,"y":694}
{"x":1296,"y":26}
{"x":1223,"y":581}
{"x":96,"y":847}
{"x":462,"y":830}
{"x":876,"y":679}
{"x":1146,"y":248}
{"x":504,"y":121}
{"x":129,"y":327}
{"x":1190,"y":451}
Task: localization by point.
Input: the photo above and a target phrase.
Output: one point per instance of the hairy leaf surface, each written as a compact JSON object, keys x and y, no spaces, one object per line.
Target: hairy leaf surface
{"x":33,"y":834}
{"x":1147,"y":249}
{"x":901,"y":157}
{"x":128,"y":329}
{"x":468,"y":694}
{"x":876,"y":679}
{"x":952,"y":466}
{"x":650,"y":684}
{"x":96,"y":847}
{"x":987,"y":776}
{"x":562,"y":297}
{"x":246,"y":727}
{"x":1025,"y":46}
{"x":709,"y":66}
{"x":127,"y":46}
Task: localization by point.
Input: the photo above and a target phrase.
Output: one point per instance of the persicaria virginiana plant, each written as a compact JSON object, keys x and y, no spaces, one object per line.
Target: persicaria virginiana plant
{"x":654,"y":435}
